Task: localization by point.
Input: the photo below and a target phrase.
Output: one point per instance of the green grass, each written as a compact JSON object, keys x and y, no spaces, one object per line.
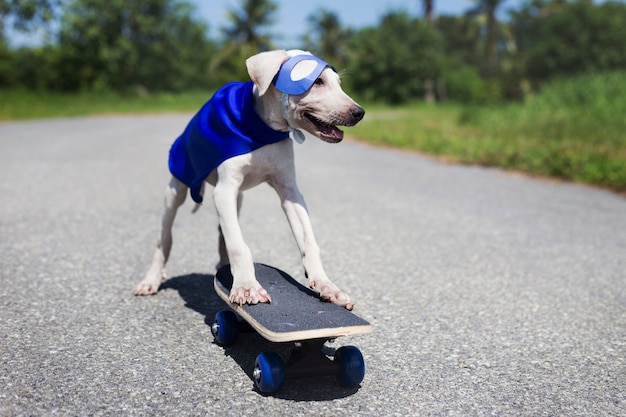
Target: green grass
{"x":573,"y":130}
{"x":23,"y":104}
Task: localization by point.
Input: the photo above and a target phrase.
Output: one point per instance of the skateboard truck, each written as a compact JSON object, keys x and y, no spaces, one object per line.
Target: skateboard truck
{"x":296,"y":315}
{"x":308,"y":359}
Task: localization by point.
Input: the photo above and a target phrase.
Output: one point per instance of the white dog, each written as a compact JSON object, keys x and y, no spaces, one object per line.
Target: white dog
{"x":240,"y":139}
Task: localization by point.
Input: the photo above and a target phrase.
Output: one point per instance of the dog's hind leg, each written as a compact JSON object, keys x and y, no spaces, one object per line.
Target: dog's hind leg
{"x":174,"y":197}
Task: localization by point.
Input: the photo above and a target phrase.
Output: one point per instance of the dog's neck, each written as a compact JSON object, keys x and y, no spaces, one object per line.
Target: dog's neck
{"x":268,"y":107}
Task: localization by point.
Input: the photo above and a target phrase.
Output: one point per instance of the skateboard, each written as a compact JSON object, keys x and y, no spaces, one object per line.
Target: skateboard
{"x":296,"y":315}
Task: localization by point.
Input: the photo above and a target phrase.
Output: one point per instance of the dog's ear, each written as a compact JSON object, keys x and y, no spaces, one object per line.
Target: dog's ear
{"x":263,"y":67}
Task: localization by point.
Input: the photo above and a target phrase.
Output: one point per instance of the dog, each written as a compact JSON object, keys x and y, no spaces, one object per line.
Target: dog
{"x":242,"y":137}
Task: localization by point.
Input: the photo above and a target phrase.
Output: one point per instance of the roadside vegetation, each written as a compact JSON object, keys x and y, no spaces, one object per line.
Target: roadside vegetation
{"x":27,"y":104}
{"x":573,"y":129}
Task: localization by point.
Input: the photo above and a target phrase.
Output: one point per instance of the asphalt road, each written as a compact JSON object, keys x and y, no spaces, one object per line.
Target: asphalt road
{"x":490,"y":293}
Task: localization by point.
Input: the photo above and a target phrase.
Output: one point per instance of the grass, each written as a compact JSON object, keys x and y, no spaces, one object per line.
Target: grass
{"x":573,"y":130}
{"x":24,"y":104}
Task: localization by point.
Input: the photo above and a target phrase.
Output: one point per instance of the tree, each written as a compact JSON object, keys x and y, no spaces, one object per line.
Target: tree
{"x":119,"y":44}
{"x":485,"y":12}
{"x":327,"y":37}
{"x":25,"y":14}
{"x":246,"y":23}
{"x":571,"y":38}
{"x":429,"y":7}
{"x":244,"y":37}
{"x":461,"y":40}
{"x":21,"y":67}
{"x":429,"y":85}
{"x":463,"y":46}
{"x":526,"y":20}
{"x":391,"y":61}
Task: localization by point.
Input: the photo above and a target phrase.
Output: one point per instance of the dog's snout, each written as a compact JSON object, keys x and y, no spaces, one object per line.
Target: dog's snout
{"x":357,"y":113}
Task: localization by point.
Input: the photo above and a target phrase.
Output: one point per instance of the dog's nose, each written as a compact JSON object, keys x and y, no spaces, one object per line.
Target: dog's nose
{"x":357,"y":112}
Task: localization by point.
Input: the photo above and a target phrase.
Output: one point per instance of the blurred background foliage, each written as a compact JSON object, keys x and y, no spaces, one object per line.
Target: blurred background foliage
{"x":160,"y":45}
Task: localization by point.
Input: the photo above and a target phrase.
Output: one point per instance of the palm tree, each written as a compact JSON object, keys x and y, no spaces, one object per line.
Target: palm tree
{"x":244,"y":38}
{"x":429,"y":93}
{"x":429,"y":6}
{"x":490,"y":7}
{"x":248,"y":21}
{"x":485,"y":13}
{"x":327,"y":37}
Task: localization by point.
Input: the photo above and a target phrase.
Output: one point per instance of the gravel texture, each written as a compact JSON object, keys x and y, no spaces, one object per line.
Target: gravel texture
{"x":489,"y":293}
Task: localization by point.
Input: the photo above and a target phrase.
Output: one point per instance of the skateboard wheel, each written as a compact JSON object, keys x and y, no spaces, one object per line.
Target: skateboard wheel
{"x":352,"y":366}
{"x":225,"y":328}
{"x":269,"y":372}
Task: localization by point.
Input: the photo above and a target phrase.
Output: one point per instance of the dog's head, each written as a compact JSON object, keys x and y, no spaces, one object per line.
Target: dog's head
{"x":299,"y":91}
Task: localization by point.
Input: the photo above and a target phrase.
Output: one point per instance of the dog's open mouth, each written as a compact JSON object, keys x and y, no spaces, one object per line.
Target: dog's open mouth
{"x":326,"y":131}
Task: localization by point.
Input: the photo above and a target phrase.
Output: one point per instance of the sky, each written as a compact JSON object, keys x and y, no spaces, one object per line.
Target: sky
{"x":291,"y":16}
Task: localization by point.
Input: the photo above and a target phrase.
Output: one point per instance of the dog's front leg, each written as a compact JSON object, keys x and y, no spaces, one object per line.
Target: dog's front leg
{"x":221,"y":243}
{"x":298,"y":217}
{"x":174,"y":197}
{"x":246,"y":288}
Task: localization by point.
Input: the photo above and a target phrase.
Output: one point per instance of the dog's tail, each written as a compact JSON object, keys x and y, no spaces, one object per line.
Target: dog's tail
{"x":197,"y":206}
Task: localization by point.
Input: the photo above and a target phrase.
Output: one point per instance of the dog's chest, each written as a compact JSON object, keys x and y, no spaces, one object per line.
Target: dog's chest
{"x":271,"y":164}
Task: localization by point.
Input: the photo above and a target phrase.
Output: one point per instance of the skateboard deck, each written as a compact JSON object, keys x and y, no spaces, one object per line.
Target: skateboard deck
{"x":296,"y":313}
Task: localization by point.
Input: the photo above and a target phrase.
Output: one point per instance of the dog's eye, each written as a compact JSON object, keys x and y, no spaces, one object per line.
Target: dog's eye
{"x":319,"y":81}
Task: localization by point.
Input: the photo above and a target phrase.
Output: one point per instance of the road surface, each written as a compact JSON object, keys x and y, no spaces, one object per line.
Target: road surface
{"x":490,"y":293}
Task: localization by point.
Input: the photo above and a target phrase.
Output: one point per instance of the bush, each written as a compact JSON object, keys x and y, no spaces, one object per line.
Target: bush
{"x":573,"y":129}
{"x":583,"y":107}
{"x":8,"y":73}
{"x":466,"y":86}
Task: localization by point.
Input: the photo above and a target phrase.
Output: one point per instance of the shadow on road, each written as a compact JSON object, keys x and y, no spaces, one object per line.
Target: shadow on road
{"x":197,"y":292}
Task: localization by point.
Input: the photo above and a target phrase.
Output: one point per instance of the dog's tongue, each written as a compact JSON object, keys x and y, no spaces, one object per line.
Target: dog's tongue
{"x":333,"y":133}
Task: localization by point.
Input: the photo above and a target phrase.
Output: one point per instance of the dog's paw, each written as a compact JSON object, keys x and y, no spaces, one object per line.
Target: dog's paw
{"x":146,"y":288}
{"x":249,"y":294}
{"x":151,"y":283}
{"x":329,"y":292}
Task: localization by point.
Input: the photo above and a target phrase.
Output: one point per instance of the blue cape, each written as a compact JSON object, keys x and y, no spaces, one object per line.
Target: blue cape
{"x":226,"y":126}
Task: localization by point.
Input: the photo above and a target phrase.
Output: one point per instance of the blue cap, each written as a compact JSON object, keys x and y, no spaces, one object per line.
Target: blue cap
{"x":285,"y":84}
